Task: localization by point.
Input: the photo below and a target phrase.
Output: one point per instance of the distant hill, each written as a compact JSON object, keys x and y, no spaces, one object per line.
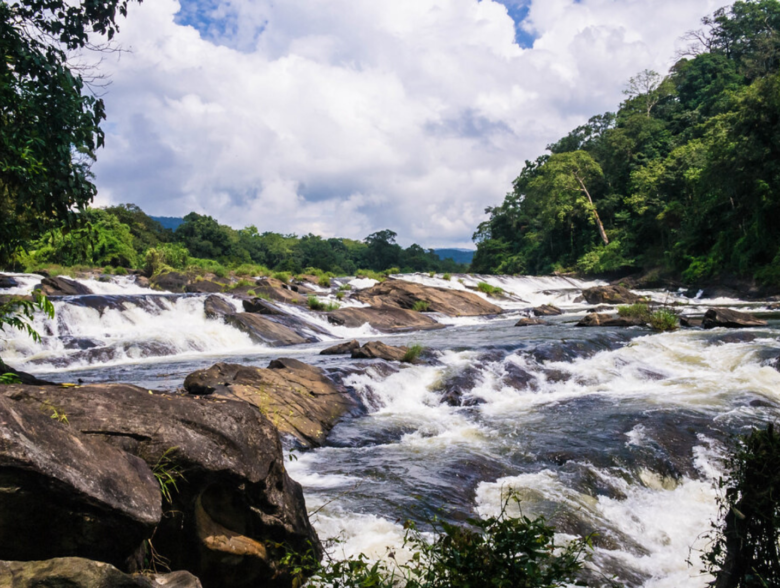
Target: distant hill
{"x":457,"y":255}
{"x":169,"y":222}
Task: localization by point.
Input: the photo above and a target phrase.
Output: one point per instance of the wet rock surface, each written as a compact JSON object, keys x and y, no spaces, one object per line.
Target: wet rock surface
{"x":379,"y":350}
{"x":233,"y":502}
{"x":265,"y":330}
{"x":386,"y":320}
{"x":299,"y":399}
{"x":403,"y":294}
{"x":66,"y":494}
{"x":62,"y":287}
{"x":281,"y":292}
{"x":217,"y":307}
{"x":730,"y":319}
{"x":547,"y":310}
{"x":204,"y":287}
{"x":75,"y":572}
{"x":342,"y":348}
{"x":170,"y":281}
{"x":529,"y":322}
{"x":610,"y":295}
{"x":260,"y":306}
{"x":595,"y":319}
{"x":7,"y":282}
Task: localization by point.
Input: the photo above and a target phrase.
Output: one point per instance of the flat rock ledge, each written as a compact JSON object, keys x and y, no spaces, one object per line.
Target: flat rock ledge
{"x":403,"y":294}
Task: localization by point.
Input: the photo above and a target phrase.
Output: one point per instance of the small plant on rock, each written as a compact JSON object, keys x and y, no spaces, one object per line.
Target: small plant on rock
{"x":490,"y":290}
{"x":663,"y":320}
{"x":413,"y":353}
{"x":283,"y":276}
{"x":315,"y":303}
{"x":324,"y":281}
{"x":447,"y":277}
{"x":167,"y":472}
{"x":421,"y":306}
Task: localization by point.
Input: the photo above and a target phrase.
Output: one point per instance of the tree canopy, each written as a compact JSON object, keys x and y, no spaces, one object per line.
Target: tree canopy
{"x":684,"y":177}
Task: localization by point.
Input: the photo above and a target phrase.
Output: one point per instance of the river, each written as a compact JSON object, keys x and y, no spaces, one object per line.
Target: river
{"x":614,"y":431}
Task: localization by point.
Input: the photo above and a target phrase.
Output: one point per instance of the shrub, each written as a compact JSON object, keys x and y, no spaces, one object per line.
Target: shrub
{"x":635,"y":311}
{"x":283,"y":276}
{"x":447,"y":277}
{"x":251,"y":270}
{"x":330,"y":306}
{"x":220,"y":271}
{"x":392,"y":270}
{"x":108,"y":270}
{"x":498,"y":552}
{"x":490,"y":290}
{"x":603,"y":259}
{"x":171,"y":255}
{"x":315,"y":303}
{"x":412,"y":353}
{"x":251,"y":293}
{"x":242,"y":283}
{"x":743,"y":551}
{"x":421,"y":306}
{"x":345,"y":287}
{"x":324,"y":281}
{"x":663,"y":320}
{"x":431,"y":274}
{"x":340,"y":295}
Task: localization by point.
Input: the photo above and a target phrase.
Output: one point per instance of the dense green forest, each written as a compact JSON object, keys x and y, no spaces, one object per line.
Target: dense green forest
{"x":126,"y":237}
{"x":684,"y":178}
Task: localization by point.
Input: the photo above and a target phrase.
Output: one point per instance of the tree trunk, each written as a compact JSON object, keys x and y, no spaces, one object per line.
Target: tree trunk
{"x":602,"y":232}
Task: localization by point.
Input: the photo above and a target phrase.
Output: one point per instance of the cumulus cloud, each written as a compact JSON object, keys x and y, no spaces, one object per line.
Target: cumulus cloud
{"x":349,"y":116}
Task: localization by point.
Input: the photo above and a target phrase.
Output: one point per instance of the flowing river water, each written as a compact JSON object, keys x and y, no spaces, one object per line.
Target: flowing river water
{"x":606,"y":430}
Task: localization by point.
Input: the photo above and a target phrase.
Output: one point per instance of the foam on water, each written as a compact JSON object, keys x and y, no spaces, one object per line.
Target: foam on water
{"x":135,"y":332}
{"x":27,"y":283}
{"x":115,"y":285}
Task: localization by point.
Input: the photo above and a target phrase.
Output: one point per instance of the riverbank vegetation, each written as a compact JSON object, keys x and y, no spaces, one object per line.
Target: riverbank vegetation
{"x":122,"y":238}
{"x":684,"y":178}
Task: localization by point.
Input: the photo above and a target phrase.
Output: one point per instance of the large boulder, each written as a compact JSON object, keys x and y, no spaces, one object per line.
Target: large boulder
{"x":610,"y":295}
{"x":403,"y":294}
{"x":385,"y":319}
{"x":730,"y":319}
{"x":77,"y":572}
{"x":217,"y":307}
{"x":298,"y":398}
{"x":24,"y":378}
{"x":260,"y":306}
{"x":547,"y":310}
{"x":595,"y":319}
{"x":67,"y":494}
{"x":170,"y":281}
{"x":266,"y":331}
{"x":7,"y":282}
{"x":529,"y":322}
{"x":232,"y":504}
{"x":60,"y":286}
{"x":281,"y":292}
{"x":345,"y":348}
{"x":379,"y":350}
{"x":204,"y":287}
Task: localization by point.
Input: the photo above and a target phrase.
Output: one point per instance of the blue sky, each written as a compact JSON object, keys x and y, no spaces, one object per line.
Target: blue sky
{"x":350,"y":116}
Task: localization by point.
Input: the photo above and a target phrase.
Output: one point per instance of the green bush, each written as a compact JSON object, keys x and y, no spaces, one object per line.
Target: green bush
{"x":251,"y":293}
{"x":635,"y":311}
{"x":345,"y":287}
{"x":663,"y":320}
{"x":340,"y":295}
{"x":283,"y":276}
{"x":497,"y":552}
{"x":330,"y":306}
{"x":242,"y":283}
{"x":604,"y":259}
{"x":392,"y":270}
{"x":120,"y":271}
{"x":421,"y":306}
{"x":744,"y":542}
{"x":324,"y":281}
{"x":490,"y":290}
{"x":167,"y":255}
{"x":251,"y":270}
{"x":412,"y":353}
{"x":447,"y":277}
{"x":315,"y":303}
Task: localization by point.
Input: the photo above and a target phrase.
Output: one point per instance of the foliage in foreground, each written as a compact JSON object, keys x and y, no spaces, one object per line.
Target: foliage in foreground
{"x":660,"y":320}
{"x":498,"y":552}
{"x":745,"y":551}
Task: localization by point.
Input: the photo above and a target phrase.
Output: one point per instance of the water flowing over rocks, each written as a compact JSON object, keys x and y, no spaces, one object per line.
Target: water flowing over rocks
{"x":265,"y":330}
{"x":75,"y":572}
{"x":63,"y":287}
{"x":7,"y":282}
{"x":298,"y":398}
{"x":403,"y":294}
{"x":610,"y":295}
{"x":217,"y":307}
{"x":385,"y":320}
{"x":66,"y":494}
{"x":730,"y":319}
{"x":233,"y":502}
{"x":260,"y":306}
{"x":281,"y":292}
{"x":379,"y":350}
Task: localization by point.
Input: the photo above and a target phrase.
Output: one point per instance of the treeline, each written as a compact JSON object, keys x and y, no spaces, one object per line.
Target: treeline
{"x":684,"y":178}
{"x":124,"y":237}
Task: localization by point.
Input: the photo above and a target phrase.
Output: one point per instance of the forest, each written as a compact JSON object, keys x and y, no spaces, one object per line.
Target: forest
{"x":683,"y":180}
{"x":121,"y":238}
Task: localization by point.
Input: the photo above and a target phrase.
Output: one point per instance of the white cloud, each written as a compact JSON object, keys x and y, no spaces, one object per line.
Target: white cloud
{"x":349,"y":116}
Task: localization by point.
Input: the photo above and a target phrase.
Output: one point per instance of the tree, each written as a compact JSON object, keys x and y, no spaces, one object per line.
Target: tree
{"x":645,"y":85}
{"x":49,"y":122}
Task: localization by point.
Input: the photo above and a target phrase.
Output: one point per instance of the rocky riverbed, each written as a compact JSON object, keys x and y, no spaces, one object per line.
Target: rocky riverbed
{"x":201,"y":429}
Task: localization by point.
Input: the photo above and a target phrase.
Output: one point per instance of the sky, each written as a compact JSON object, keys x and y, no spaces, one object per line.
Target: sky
{"x":344,"y":117}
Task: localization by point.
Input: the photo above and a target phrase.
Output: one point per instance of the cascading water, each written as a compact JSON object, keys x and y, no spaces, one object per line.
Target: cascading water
{"x":613,"y":431}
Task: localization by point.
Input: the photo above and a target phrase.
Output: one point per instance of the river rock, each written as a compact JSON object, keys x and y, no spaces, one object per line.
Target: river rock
{"x":298,"y":398}
{"x":170,"y":281}
{"x":595,"y":319}
{"x":204,"y":287}
{"x":60,"y":286}
{"x":260,"y":306}
{"x":67,"y":494}
{"x":77,"y":572}
{"x":266,"y":331}
{"x":529,"y":322}
{"x":403,"y":294}
{"x":730,"y":319}
{"x":234,"y":503}
{"x":217,"y":307}
{"x":610,"y":295}
{"x":281,"y":292}
{"x":379,"y":350}
{"x":342,"y":348}
{"x":689,"y":321}
{"x":386,"y":319}
{"x":7,"y":282}
{"x":547,"y":310}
